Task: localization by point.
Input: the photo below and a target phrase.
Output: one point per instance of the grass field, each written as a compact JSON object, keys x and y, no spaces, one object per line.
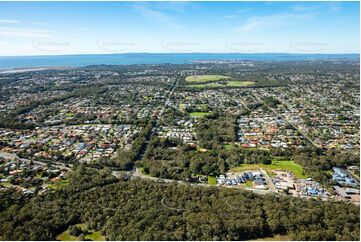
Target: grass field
{"x":228,"y":84}
{"x":94,"y":235}
{"x":205,"y":78}
{"x":198,"y":114}
{"x":212,"y":180}
{"x":288,"y":165}
{"x":277,"y":164}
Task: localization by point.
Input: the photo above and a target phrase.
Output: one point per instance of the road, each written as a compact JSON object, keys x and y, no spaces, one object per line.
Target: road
{"x":244,"y":104}
{"x":270,"y":183}
{"x":137,"y":174}
{"x":160,"y":115}
{"x":350,"y":105}
{"x":287,"y":121}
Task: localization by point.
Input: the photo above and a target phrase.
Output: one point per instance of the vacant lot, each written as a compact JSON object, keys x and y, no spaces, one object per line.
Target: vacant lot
{"x":206,"y":78}
{"x":277,"y":164}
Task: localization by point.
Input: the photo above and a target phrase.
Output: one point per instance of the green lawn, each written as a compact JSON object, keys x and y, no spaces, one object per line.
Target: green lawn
{"x":229,"y":146}
{"x":205,"y":78}
{"x":198,"y":114}
{"x":277,"y":164}
{"x":287,"y":165}
{"x":212,"y":180}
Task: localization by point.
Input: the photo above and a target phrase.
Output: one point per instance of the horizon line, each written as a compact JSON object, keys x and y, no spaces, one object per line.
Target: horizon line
{"x":184,"y":53}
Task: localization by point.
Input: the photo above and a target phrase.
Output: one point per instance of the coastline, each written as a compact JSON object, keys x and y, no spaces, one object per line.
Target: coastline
{"x":53,"y":61}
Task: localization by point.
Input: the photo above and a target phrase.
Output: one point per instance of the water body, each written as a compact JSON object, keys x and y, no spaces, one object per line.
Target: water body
{"x":12,"y":62}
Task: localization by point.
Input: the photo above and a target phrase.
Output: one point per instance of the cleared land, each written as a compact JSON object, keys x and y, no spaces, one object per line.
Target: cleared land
{"x":206,"y":78}
{"x":277,"y":164}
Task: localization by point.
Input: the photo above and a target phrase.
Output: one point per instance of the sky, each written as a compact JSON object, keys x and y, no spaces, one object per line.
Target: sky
{"x":58,"y":28}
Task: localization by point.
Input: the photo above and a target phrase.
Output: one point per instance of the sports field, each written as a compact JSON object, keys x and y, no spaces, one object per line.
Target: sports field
{"x":205,"y":78}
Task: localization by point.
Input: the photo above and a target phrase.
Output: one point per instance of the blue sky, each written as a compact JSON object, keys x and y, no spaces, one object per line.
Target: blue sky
{"x":46,"y":28}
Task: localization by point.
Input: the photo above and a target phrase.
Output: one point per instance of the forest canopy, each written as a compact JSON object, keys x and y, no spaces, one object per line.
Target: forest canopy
{"x":123,"y":209}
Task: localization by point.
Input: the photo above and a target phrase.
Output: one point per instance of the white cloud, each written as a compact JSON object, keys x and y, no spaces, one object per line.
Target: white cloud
{"x":157,"y":16}
{"x":312,"y":7}
{"x":9,"y":21}
{"x":273,"y":21}
{"x":17,"y":32}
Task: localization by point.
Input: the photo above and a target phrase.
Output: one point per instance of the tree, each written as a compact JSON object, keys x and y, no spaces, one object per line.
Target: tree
{"x":74,"y":230}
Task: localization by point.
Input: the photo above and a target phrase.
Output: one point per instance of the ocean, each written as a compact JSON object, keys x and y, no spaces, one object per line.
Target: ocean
{"x":12,"y":62}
